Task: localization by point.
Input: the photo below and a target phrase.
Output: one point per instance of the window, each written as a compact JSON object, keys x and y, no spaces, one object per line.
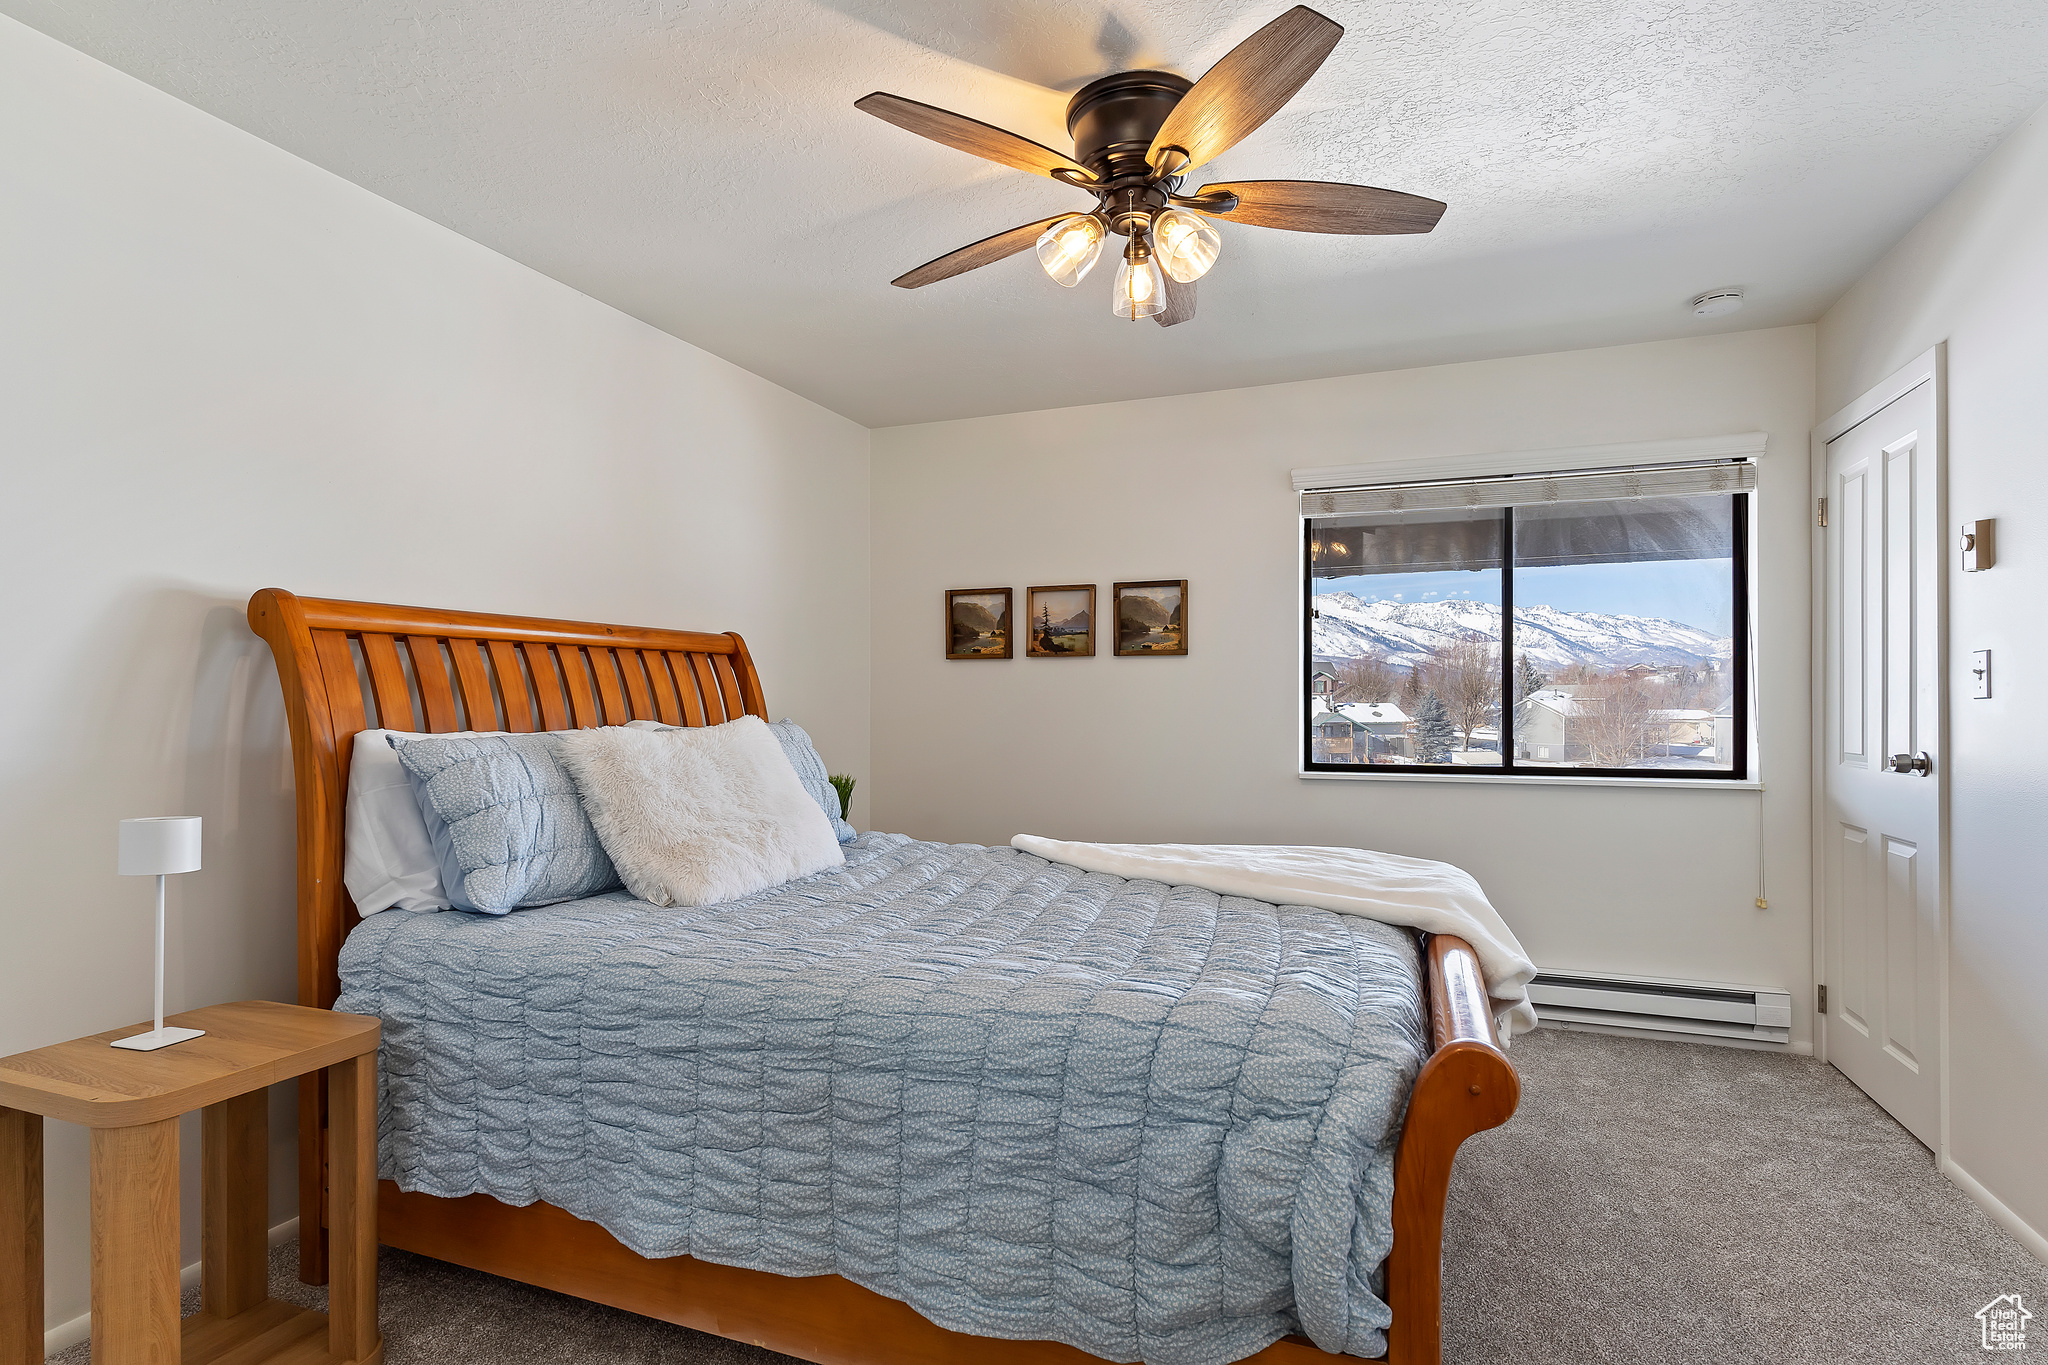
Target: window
{"x":1560,"y":625}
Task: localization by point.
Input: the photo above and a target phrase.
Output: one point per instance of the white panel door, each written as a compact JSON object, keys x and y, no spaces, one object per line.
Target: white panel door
{"x":1882,"y":760}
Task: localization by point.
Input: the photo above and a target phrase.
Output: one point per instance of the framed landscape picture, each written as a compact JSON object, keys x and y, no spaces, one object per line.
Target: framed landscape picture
{"x":1151,"y":618}
{"x":1060,"y":622}
{"x":978,"y":623}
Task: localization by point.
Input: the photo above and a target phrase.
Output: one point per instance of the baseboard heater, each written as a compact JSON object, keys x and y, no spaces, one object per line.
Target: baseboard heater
{"x":1704,"y":1007}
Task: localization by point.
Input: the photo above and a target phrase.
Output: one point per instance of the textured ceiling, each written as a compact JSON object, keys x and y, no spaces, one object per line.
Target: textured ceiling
{"x":700,"y":165}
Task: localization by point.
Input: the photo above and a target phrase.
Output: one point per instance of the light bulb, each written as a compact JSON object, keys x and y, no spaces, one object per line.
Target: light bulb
{"x":1187,"y":244}
{"x":1069,"y":247}
{"x":1140,"y":288}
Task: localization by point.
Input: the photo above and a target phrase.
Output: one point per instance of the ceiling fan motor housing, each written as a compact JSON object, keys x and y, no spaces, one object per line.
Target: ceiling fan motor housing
{"x":1113,"y":122}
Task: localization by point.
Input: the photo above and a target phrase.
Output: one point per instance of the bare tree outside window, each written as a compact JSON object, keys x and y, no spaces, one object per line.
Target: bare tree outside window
{"x":1466,"y":674}
{"x":1688,"y":688}
{"x":1414,"y":687}
{"x":1683,"y":687}
{"x":1611,"y":719}
{"x":1365,"y":680}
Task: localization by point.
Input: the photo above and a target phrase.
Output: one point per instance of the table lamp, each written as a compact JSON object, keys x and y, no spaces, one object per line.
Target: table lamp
{"x":156,"y":847}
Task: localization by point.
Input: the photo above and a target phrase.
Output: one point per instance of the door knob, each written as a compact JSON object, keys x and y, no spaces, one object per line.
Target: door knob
{"x":1918,"y":764}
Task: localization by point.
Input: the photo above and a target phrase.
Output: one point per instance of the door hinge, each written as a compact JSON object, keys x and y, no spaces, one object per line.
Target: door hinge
{"x":1823,"y":1001}
{"x":1821,"y":517}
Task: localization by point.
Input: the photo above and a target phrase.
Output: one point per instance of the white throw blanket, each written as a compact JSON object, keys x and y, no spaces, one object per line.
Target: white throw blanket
{"x":1433,"y":897}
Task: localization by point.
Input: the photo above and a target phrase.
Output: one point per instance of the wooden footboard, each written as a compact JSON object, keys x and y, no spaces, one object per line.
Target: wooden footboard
{"x":824,"y":1318}
{"x":1466,"y":1087}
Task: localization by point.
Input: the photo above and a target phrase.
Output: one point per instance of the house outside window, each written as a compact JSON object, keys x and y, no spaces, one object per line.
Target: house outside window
{"x":1584,"y":624}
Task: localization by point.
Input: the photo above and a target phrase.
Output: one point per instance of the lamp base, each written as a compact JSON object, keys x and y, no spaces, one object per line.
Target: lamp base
{"x":156,"y":1038}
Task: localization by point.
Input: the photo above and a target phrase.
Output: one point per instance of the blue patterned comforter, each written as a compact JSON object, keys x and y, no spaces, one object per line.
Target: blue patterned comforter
{"x":1152,"y":1122}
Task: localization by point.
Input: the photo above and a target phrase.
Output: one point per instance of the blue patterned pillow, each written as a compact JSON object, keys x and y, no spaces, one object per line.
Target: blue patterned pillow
{"x":505,"y":820}
{"x":810,"y":770}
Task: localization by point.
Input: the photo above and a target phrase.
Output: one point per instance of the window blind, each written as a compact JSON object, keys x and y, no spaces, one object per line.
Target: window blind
{"x":1657,"y":481}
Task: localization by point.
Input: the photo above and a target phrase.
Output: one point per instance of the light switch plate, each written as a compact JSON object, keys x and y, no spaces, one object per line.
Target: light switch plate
{"x":1980,"y":673}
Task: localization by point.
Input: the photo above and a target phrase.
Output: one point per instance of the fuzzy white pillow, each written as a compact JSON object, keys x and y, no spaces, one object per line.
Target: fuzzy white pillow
{"x":698,"y":816}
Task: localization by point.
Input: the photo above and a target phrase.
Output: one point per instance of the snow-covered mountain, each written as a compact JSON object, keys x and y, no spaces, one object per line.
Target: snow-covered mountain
{"x":1406,"y":632}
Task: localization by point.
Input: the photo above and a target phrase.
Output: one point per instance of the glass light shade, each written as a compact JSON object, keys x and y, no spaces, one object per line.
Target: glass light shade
{"x":1186,"y":243}
{"x":1069,"y":247}
{"x":1140,"y":288}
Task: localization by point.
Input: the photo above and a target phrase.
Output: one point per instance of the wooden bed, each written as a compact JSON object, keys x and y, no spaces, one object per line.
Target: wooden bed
{"x":348,"y":666}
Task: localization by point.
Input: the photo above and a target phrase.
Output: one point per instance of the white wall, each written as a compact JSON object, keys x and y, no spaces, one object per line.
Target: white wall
{"x":222,"y":368}
{"x":1203,"y":748}
{"x":1974,"y":273}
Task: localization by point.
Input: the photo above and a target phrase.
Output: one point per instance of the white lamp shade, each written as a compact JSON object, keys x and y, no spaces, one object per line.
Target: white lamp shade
{"x":159,"y":845}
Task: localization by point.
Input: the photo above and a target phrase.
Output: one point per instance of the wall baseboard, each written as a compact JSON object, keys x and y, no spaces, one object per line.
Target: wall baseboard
{"x":2034,"y":1242}
{"x":65,"y":1335}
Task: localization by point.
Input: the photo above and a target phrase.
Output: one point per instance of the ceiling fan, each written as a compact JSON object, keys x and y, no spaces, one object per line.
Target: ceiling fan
{"x":1136,"y":135}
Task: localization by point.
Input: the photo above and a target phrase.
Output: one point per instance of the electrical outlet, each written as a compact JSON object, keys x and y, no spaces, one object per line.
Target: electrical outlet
{"x":1980,"y":674}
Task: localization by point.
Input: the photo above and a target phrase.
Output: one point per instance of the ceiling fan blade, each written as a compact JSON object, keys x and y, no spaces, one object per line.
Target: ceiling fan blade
{"x":1180,"y":302}
{"x":987,"y":251}
{"x":1324,"y":206}
{"x":1246,"y":88}
{"x":970,"y":135}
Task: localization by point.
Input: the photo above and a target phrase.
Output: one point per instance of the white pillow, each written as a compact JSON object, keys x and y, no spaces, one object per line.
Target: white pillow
{"x":698,"y":816}
{"x":387,"y":859}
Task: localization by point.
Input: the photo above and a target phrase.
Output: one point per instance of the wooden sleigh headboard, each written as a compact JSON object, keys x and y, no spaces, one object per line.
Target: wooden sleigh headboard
{"x":352,"y":666}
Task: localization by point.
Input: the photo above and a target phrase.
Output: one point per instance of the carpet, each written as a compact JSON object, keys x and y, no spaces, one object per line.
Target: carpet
{"x":1650,"y":1202}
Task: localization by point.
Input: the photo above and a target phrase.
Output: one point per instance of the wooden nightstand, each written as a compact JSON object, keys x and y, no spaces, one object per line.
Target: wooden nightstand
{"x":131,"y":1101}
